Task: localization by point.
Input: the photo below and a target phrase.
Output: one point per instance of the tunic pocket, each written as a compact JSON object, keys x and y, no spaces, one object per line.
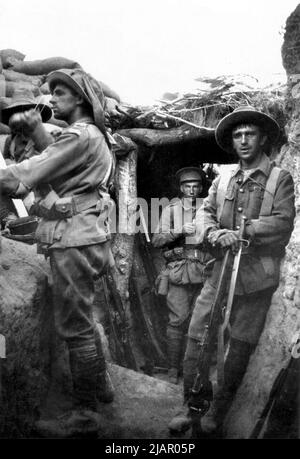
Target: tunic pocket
{"x":256,"y":194}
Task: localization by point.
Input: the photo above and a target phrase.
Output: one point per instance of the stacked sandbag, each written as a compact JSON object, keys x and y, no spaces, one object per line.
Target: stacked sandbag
{"x":42,"y":66}
{"x":12,"y":75}
{"x":7,"y":54}
{"x":17,"y":73}
{"x":11,"y":80}
{"x":31,"y":75}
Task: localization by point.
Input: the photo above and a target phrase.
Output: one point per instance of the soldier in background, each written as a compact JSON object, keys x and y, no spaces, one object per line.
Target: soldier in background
{"x":20,"y":145}
{"x":183,"y":276}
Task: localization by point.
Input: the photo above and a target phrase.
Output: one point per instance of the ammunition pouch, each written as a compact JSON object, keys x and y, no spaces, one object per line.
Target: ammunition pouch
{"x":187,"y":265}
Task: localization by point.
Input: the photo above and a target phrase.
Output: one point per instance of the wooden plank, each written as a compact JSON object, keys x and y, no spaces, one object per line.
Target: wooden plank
{"x":161,"y":137}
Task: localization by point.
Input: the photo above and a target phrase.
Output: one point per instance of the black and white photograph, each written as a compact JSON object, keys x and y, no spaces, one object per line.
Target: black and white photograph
{"x":149,"y":218}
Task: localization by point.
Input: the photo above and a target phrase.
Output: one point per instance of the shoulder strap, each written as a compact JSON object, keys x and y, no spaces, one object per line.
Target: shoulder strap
{"x":268,"y":199}
{"x":222,"y":188}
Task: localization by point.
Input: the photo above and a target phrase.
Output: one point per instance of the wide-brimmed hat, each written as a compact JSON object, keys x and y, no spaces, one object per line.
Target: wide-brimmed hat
{"x":22,"y":100}
{"x":190,"y":174}
{"x":241,"y":115}
{"x":87,"y":87}
{"x":70,"y":77}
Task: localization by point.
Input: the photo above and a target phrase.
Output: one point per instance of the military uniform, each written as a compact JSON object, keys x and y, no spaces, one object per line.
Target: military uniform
{"x":269,"y":223}
{"x":182,"y":278}
{"x":71,"y":177}
{"x":268,"y":236}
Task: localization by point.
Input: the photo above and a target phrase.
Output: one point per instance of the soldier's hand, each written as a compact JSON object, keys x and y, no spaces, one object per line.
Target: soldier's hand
{"x":188,"y":228}
{"x":25,"y":122}
{"x":5,"y":221}
{"x":230,"y":239}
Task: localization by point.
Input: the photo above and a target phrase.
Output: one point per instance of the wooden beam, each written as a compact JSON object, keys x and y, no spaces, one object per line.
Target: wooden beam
{"x":161,"y":137}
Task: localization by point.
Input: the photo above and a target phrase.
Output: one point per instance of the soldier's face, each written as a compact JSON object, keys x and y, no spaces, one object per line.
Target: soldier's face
{"x":247,"y":142}
{"x":191,"y":189}
{"x":64,"y":102}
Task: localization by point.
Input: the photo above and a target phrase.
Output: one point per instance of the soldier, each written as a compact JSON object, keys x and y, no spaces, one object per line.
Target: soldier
{"x":182,"y":278}
{"x":264,"y":194}
{"x":72,"y":177}
{"x":20,"y":145}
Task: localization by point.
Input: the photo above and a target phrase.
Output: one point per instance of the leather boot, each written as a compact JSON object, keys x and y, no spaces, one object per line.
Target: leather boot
{"x":175,"y":337}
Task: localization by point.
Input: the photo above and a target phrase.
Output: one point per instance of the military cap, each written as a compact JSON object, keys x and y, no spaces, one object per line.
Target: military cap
{"x":190,"y":174}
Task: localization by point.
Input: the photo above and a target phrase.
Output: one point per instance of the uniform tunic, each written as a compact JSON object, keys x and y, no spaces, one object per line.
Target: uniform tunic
{"x":259,"y":267}
{"x":78,"y":162}
{"x":185,"y":275}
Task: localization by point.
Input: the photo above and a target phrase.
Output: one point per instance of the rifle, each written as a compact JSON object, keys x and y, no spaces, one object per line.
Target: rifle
{"x":225,"y":324}
{"x":202,"y":390}
{"x":146,"y":320}
{"x":159,"y":303}
{"x":118,"y":322}
{"x":277,"y":389}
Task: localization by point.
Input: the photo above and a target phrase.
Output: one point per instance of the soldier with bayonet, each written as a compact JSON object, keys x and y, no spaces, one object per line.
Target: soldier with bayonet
{"x":260,"y":196}
{"x":182,"y":278}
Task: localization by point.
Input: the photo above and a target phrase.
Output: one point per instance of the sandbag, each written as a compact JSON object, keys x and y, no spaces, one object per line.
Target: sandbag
{"x":7,"y":54}
{"x":42,"y":66}
{"x":11,"y":86}
{"x":11,"y":75}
